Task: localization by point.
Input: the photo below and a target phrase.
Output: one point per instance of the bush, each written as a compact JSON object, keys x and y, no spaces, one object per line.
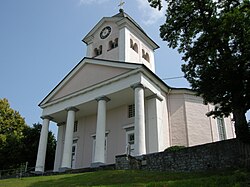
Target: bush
{"x":174,"y":148}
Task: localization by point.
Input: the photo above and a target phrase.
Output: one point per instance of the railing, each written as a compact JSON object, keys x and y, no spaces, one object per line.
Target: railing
{"x":19,"y":172}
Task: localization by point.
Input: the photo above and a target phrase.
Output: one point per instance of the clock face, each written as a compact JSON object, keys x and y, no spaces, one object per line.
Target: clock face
{"x":105,"y":32}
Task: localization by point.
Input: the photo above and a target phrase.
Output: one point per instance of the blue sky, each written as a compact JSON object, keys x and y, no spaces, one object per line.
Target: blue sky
{"x":40,"y":42}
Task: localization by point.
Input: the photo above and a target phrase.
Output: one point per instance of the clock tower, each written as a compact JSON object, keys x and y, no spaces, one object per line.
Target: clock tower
{"x":120,"y":38}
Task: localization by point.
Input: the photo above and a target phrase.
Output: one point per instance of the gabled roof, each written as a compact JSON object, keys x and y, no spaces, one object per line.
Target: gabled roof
{"x":88,"y":72}
{"x":116,"y":69}
{"x":116,"y":18}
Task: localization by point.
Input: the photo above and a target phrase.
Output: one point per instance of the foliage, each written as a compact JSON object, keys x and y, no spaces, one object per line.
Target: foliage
{"x":11,"y":123}
{"x":11,"y":134}
{"x":214,"y":39}
{"x":30,"y":144}
{"x":19,"y":142}
{"x":136,"y":178}
{"x":174,"y":148}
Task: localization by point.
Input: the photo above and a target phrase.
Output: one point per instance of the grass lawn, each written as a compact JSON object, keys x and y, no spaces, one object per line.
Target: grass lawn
{"x":123,"y":178}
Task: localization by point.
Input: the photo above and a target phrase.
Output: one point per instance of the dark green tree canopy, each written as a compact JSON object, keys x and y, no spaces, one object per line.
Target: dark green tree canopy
{"x":19,"y":142}
{"x":214,"y":38}
{"x":11,"y":122}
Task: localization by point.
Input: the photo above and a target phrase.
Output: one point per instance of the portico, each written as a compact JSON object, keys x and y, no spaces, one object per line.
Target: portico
{"x":120,"y":92}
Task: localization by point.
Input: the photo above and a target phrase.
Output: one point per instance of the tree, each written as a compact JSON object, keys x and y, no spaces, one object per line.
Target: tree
{"x":19,"y":142}
{"x":30,"y":144}
{"x":11,"y":133}
{"x":214,"y":39}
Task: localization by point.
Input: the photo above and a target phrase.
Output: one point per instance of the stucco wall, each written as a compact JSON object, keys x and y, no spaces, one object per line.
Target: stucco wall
{"x":97,"y":41}
{"x":177,"y":114}
{"x":189,"y":124}
{"x":198,"y":124}
{"x":123,"y":52}
{"x":116,"y":140}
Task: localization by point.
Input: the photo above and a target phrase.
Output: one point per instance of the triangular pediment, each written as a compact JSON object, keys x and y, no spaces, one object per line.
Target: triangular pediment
{"x":88,"y":73}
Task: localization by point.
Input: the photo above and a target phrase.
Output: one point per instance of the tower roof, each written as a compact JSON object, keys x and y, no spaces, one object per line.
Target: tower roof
{"x":122,"y":15}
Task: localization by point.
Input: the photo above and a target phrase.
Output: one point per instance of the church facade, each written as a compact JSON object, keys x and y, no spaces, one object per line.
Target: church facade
{"x":112,"y":99}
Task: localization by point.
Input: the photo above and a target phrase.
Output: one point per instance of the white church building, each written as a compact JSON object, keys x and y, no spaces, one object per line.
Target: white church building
{"x":112,"y":98}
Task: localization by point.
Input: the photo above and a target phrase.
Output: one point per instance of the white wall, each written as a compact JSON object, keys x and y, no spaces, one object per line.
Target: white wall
{"x":116,"y":119}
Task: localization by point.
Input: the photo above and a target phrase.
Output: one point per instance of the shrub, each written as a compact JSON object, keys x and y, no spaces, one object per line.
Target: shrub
{"x":174,"y":148}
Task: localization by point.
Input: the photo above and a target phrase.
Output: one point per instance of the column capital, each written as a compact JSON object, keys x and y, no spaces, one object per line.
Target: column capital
{"x":46,"y":117}
{"x":105,"y":98}
{"x":71,"y":108}
{"x":137,"y":85}
{"x":155,"y":96}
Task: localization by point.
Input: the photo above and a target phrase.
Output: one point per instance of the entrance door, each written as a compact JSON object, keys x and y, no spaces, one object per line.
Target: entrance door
{"x":130,"y":141}
{"x":73,"y":161}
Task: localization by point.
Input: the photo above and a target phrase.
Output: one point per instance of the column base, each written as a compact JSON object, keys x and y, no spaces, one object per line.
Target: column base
{"x":96,"y":164}
{"x":38,"y":172}
{"x":64,"y":169}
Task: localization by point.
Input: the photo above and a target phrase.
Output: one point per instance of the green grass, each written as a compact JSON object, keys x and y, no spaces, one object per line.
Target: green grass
{"x":122,"y":178}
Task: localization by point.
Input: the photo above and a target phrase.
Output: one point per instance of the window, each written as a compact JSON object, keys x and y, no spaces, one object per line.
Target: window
{"x":110,"y":45}
{"x":131,"y":138}
{"x":131,"y":111}
{"x":133,"y":45}
{"x":130,"y":142}
{"x":116,"y":43}
{"x":98,"y":51}
{"x":113,"y":44}
{"x":75,"y":126}
{"x":221,"y":128}
{"x":145,"y":55}
{"x":73,"y":157}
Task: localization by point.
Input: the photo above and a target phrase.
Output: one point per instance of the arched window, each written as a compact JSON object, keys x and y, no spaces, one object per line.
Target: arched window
{"x":143,"y":53}
{"x":135,"y":47}
{"x":147,"y":57}
{"x":116,"y":43}
{"x":113,"y":44}
{"x":100,"y":50}
{"x":95,"y":52}
{"x":131,"y":43}
{"x":110,"y":45}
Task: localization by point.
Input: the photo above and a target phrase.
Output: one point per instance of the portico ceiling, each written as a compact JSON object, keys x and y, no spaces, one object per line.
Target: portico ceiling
{"x":120,"y":98}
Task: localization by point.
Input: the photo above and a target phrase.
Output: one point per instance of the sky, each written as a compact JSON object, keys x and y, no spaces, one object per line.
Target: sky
{"x":41,"y":41}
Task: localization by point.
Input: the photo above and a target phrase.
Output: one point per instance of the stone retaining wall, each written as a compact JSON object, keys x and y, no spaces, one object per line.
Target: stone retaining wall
{"x":218,"y":155}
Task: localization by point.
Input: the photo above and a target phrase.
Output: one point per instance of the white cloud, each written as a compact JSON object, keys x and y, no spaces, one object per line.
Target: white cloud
{"x":88,"y":2}
{"x":150,"y":15}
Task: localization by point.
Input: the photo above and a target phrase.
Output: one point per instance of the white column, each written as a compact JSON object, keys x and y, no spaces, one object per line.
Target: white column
{"x":59,"y":147}
{"x":67,"y":149}
{"x":155,"y":129}
{"x":41,"y":153}
{"x":140,"y":138}
{"x":99,"y":157}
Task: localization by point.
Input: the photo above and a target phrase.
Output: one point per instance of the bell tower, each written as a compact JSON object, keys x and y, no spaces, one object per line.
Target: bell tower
{"x":120,"y":38}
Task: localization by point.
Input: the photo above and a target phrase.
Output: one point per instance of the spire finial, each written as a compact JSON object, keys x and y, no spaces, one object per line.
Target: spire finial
{"x":121,"y":5}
